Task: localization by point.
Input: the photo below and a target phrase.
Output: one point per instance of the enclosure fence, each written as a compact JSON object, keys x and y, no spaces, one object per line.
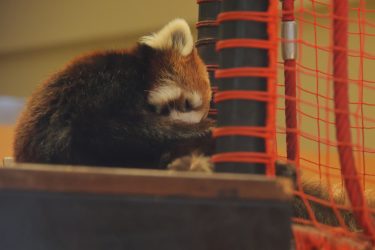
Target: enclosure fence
{"x":306,"y":70}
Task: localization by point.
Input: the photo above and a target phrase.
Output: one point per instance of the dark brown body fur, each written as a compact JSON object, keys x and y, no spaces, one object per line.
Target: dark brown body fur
{"x":94,"y":112}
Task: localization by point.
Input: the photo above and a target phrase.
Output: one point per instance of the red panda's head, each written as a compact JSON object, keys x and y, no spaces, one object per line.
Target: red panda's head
{"x":181,"y":90}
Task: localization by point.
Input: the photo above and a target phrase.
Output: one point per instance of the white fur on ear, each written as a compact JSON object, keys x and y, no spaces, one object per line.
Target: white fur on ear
{"x":174,"y":35}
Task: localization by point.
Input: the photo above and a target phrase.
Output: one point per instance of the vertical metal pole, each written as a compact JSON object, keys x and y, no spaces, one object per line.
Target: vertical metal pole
{"x":242,"y":95}
{"x":289,"y":52}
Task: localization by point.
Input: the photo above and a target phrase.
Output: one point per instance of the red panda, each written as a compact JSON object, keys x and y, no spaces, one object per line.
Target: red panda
{"x":138,"y":107}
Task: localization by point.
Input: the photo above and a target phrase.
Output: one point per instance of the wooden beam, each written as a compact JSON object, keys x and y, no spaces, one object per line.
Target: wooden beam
{"x":101,"y":180}
{"x":72,"y":207}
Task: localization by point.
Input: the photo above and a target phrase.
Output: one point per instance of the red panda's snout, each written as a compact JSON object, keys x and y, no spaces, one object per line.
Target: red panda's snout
{"x":181,"y":90}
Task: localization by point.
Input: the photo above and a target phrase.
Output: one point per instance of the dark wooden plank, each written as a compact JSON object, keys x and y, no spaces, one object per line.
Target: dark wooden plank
{"x":42,"y":220}
{"x":66,"y":207}
{"x":142,"y":182}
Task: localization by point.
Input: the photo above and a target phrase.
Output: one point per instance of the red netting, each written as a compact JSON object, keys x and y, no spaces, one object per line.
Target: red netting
{"x":325,"y":114}
{"x":328,"y":97}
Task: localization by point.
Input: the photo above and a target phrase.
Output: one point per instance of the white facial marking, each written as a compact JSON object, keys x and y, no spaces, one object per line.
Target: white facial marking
{"x":189,"y":117}
{"x":195,"y":99}
{"x":164,"y":94}
{"x":174,"y":35}
{"x":168,"y":92}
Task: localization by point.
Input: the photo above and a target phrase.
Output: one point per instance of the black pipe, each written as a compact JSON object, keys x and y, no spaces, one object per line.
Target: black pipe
{"x":240,"y":112}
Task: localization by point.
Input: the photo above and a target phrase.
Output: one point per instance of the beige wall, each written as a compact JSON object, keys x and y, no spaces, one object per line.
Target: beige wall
{"x":39,"y":36}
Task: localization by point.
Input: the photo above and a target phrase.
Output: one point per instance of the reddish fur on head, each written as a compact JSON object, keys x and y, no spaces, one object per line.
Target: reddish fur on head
{"x":181,"y":89}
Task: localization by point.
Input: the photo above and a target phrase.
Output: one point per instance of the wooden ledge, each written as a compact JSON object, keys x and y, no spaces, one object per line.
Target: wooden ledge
{"x":124,"y":181}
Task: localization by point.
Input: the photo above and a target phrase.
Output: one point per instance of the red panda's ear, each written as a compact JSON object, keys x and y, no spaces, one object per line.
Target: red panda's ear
{"x":175,"y":35}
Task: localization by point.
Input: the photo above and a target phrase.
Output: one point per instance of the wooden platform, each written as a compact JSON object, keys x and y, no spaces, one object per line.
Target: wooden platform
{"x":69,"y":207}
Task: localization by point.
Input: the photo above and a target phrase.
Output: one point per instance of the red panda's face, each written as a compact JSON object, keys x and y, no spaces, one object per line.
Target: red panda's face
{"x":181,"y":90}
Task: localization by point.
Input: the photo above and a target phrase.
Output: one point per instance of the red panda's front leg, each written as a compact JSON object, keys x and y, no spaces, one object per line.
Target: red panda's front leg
{"x":196,"y":162}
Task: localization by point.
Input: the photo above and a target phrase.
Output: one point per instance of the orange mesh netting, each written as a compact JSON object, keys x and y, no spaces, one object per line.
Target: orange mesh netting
{"x":329,"y":113}
{"x":325,"y":110}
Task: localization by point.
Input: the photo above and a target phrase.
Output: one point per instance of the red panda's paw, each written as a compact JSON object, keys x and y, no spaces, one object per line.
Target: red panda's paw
{"x":194,"y":162}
